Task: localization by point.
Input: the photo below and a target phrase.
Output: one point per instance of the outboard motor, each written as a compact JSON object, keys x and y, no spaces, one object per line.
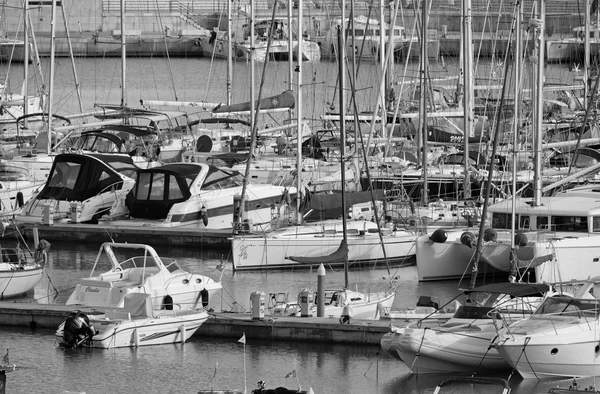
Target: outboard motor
{"x":439,"y":236}
{"x":77,"y":331}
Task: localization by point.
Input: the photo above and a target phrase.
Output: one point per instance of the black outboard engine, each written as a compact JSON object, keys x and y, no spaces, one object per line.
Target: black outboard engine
{"x":77,"y":331}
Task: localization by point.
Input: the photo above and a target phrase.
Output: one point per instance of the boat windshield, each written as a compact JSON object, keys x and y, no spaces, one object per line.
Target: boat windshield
{"x":220,"y":179}
{"x":567,"y":306}
{"x":139,"y":262}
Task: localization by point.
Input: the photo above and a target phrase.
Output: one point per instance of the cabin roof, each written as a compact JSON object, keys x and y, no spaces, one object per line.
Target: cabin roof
{"x":560,"y":205}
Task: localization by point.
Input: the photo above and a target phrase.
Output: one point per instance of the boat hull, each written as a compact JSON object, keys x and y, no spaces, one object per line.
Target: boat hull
{"x":274,"y":251}
{"x":459,"y":349}
{"x":14,"y":282}
{"x":113,"y":332}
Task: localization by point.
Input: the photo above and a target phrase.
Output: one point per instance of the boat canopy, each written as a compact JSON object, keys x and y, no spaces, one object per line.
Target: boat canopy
{"x":77,"y":177}
{"x":158,"y":189}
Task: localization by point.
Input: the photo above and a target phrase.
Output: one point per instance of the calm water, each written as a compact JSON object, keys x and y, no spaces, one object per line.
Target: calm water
{"x":185,"y":369}
{"x":206,"y":362}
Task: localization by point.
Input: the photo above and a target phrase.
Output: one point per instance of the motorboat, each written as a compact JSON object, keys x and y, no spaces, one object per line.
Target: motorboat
{"x":162,"y":278}
{"x":80,"y":188}
{"x":20,"y":271}
{"x":196,"y":195}
{"x":136,"y":324}
{"x":16,"y":188}
{"x":462,"y":344}
{"x":559,"y":340}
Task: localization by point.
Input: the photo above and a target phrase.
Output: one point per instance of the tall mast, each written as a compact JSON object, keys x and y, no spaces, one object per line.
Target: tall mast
{"x":123,"y":57}
{"x":539,"y":109}
{"x":468,"y":93}
{"x":342,"y":83}
{"x":26,"y":61}
{"x":423,"y":102}
{"x":300,"y":120}
{"x":229,"y":83}
{"x":516,"y":117}
{"x":51,"y":87}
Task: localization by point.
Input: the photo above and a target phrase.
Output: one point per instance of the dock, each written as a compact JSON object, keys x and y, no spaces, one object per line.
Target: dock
{"x":101,"y":232}
{"x":222,"y":324}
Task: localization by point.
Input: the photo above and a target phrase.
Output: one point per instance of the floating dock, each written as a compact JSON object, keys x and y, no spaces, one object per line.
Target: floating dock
{"x":154,"y":235}
{"x":224,"y":324}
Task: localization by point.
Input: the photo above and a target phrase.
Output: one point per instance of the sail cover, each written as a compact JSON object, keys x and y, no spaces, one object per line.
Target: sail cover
{"x":283,"y":100}
{"x":339,"y":256}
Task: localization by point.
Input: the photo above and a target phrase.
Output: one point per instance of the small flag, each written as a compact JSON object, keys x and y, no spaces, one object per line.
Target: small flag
{"x":243,"y":339}
{"x":291,"y":374}
{"x":5,"y":359}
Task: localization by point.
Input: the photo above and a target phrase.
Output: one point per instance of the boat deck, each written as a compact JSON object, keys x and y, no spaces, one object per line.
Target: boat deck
{"x":223,"y":324}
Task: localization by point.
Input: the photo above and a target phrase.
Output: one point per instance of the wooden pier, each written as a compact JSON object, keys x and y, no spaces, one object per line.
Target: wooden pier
{"x":224,"y":324}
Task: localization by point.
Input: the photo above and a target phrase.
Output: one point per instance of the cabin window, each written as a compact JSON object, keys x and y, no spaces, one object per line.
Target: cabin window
{"x":524,"y":222}
{"x":501,"y":220}
{"x":65,"y":175}
{"x":143,"y":186}
{"x":542,"y":223}
{"x":570,"y":223}
{"x":157,"y":190}
{"x":174,"y":190}
{"x":596,"y":224}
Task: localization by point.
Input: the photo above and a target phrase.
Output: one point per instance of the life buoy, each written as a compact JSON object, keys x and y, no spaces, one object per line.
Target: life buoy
{"x":344,"y":319}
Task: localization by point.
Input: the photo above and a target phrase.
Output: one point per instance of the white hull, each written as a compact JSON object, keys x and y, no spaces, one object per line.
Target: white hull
{"x":18,"y":281}
{"x":442,"y":261}
{"x":14,"y":194}
{"x":145,"y":331}
{"x":560,"y":358}
{"x":369,"y":310}
{"x":146,"y":273}
{"x":447,"y":349}
{"x":274,"y":250}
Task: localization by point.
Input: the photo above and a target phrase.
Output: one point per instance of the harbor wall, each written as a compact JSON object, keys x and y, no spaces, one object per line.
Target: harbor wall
{"x":153,"y":27}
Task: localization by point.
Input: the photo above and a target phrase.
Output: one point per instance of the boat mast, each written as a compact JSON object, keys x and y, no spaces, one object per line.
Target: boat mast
{"x":423,"y":102}
{"x":229,"y":83}
{"x":52,"y":66}
{"x":516,"y":116}
{"x":123,"y":57}
{"x":26,"y":63}
{"x":539,"y":109}
{"x":342,"y":83}
{"x":586,"y":51}
{"x":300,"y":120}
{"x":468,"y":91}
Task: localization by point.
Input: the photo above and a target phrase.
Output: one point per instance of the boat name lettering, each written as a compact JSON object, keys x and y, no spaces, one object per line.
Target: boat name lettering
{"x":91,"y":289}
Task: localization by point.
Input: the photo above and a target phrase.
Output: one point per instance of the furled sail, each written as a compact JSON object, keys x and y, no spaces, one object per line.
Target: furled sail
{"x":284,"y":100}
{"x":339,"y":256}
